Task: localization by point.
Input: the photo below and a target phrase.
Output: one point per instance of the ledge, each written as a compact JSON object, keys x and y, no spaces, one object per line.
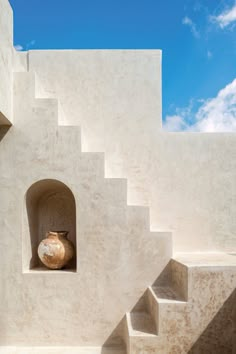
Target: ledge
{"x":44,"y":270}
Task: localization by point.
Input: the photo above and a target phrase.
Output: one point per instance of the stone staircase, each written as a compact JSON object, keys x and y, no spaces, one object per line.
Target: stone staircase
{"x":173,"y":314}
{"x":125,"y":245}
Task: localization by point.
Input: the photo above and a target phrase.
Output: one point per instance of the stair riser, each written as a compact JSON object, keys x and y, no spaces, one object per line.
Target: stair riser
{"x":140,"y":217}
{"x":92,"y":162}
{"x":70,"y":134}
{"x":180,"y":279}
{"x":24,"y":83}
{"x":153,"y":307}
{"x":146,"y":345}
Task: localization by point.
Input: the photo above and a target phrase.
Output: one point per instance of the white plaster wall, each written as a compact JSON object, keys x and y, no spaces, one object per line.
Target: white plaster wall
{"x":188,"y":179}
{"x":194,"y":190}
{"x":117,"y":255}
{"x":115,"y":96}
{"x":6,"y":55}
{"x":10,"y":61}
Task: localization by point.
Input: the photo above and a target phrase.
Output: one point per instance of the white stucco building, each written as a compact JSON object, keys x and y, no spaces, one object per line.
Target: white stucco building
{"x":151,"y":214}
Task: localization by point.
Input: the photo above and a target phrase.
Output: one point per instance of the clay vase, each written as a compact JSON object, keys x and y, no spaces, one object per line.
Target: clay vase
{"x":55,"y":251}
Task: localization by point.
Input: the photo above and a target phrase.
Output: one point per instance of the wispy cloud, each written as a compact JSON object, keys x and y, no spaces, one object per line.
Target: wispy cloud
{"x":18,"y":47}
{"x":188,"y":22}
{"x":226,"y":18}
{"x":30,"y":44}
{"x":175,"y":123}
{"x":217,"y":114}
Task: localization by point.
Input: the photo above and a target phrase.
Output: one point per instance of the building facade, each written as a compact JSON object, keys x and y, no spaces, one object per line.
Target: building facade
{"x":151,"y":214}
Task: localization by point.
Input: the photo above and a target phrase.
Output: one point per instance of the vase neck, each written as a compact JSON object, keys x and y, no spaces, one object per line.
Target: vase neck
{"x":57,"y":234}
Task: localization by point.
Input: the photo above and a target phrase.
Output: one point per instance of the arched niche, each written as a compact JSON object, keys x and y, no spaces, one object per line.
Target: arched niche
{"x":49,"y":205}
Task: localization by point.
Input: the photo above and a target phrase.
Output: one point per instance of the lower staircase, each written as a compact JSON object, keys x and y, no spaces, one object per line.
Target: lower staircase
{"x":189,"y":309}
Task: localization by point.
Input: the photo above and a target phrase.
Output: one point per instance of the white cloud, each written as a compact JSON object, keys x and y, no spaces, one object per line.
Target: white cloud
{"x":216,"y":114}
{"x":226,"y":17}
{"x":28,"y":45}
{"x":18,"y":47}
{"x":188,"y":22}
{"x":175,"y":123}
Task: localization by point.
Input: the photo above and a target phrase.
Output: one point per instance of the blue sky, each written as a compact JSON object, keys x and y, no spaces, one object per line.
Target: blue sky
{"x":197,"y":37}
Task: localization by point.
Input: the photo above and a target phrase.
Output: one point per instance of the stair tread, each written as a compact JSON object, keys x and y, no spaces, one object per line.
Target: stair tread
{"x":166,"y":294}
{"x":113,"y":350}
{"x":217,"y":259}
{"x":141,"y":324}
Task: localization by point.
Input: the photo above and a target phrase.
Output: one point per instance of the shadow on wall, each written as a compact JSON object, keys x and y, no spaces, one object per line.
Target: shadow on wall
{"x":50,"y":206}
{"x":3,"y":130}
{"x":220,"y":335}
{"x":115,"y":340}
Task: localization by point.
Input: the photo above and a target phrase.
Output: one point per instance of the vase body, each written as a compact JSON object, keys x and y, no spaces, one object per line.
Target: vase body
{"x":56,"y":251}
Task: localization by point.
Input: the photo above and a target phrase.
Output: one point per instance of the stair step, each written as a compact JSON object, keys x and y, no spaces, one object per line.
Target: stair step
{"x":163,"y":301}
{"x":111,"y":350}
{"x":140,"y":324}
{"x":138,"y":217}
{"x":204,"y":259}
{"x":92,"y":164}
{"x":24,"y":82}
{"x":166,"y":294}
{"x":70,"y":135}
{"x":116,"y":190}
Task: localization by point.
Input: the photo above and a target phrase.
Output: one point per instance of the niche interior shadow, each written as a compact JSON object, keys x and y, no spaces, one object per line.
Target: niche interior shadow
{"x":50,"y":205}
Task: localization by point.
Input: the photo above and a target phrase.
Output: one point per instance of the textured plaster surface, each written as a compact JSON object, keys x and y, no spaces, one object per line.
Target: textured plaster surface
{"x":219,"y":335}
{"x":186,"y":179}
{"x":109,"y":104}
{"x":205,"y":323}
{"x":6,"y":60}
{"x":114,"y":244}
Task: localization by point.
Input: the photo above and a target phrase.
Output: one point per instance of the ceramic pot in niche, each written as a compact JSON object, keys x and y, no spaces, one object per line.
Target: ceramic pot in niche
{"x":56,"y":251}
